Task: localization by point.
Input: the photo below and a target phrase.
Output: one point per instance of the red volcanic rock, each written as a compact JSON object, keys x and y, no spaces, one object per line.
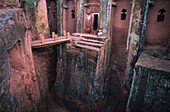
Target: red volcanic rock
{"x":150,"y":86}
{"x":20,"y":89}
{"x":81,"y":73}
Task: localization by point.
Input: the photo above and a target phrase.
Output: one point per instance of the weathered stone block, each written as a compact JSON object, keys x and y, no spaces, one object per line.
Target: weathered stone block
{"x":151,"y":85}
{"x":80,"y":82}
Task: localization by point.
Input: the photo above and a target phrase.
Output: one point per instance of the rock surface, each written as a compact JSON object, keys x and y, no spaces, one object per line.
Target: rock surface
{"x":81,"y":79}
{"x":18,"y":81}
{"x":151,"y":85}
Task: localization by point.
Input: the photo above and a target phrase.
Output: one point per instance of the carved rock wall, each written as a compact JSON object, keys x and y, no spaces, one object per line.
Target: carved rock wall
{"x":19,"y":87}
{"x":81,"y":78}
{"x":151,"y":85}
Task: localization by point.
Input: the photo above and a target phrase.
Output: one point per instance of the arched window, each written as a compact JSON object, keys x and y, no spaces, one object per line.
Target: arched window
{"x":161,"y":15}
{"x":73,"y":14}
{"x":123,"y":15}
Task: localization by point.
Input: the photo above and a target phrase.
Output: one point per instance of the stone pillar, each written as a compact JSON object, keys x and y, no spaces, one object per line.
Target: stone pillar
{"x":65,"y":8}
{"x":41,"y":23}
{"x":105,"y":15}
{"x":59,"y":17}
{"x":105,"y":19}
{"x":80,"y":16}
{"x":150,"y":85}
{"x":135,"y":35}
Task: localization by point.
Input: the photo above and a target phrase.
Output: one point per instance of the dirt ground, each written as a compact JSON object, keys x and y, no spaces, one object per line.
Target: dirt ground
{"x":54,"y":107}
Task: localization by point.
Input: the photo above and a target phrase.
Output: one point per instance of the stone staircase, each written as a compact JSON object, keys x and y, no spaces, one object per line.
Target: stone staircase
{"x":88,"y":41}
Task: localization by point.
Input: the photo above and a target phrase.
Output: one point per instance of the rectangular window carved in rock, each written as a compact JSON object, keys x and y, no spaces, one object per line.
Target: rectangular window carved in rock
{"x":123,"y":15}
{"x":73,"y":14}
{"x":95,"y":22}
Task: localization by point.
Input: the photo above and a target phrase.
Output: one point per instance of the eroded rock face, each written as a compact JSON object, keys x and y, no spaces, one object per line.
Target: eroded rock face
{"x":80,"y":80}
{"x":8,"y":3}
{"x":41,"y":28}
{"x":151,"y":85}
{"x":119,"y":27}
{"x":45,"y":66}
{"x":19,"y":89}
{"x":80,"y":88}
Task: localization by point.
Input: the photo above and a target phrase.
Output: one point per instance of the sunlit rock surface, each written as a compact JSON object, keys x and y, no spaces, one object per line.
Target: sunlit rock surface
{"x":19,"y":85}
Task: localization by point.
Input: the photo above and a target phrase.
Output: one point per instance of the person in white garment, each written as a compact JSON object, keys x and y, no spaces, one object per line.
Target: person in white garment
{"x":100,"y":33}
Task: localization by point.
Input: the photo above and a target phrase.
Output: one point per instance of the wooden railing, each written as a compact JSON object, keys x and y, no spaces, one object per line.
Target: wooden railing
{"x":82,"y":40}
{"x":50,"y":41}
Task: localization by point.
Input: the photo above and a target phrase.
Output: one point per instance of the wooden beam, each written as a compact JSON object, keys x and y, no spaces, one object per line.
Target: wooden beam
{"x":48,"y":42}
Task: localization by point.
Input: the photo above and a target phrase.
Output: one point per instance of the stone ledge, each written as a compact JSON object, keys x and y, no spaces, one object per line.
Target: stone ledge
{"x":148,"y":61}
{"x":87,"y":47}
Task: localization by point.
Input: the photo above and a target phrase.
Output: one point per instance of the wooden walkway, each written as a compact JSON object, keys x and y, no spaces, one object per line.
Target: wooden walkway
{"x":80,"y":40}
{"x":49,"y":42}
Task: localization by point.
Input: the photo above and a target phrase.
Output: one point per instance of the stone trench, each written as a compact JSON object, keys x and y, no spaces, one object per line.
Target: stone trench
{"x":84,"y":56}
